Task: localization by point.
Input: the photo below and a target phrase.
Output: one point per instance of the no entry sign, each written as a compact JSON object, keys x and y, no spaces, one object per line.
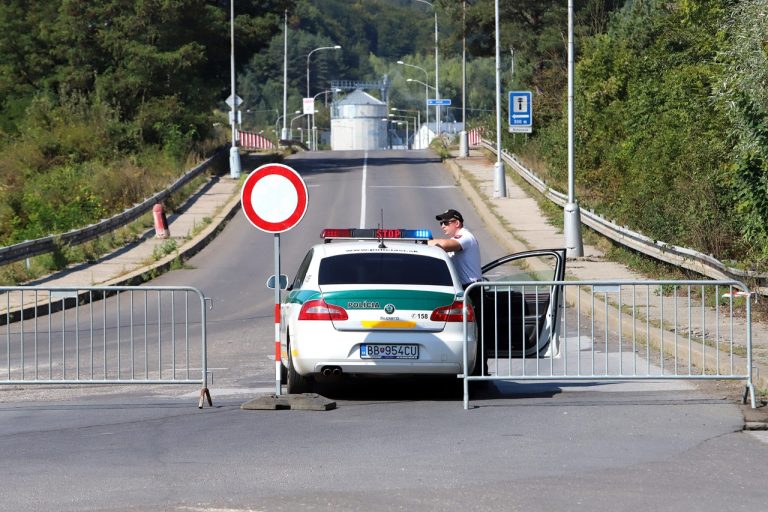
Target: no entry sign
{"x":274,"y":198}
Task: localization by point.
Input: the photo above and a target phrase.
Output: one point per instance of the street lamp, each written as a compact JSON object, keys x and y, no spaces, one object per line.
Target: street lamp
{"x":291,"y":124}
{"x":407,"y":120}
{"x":426,"y":86}
{"x":392,"y":118}
{"x":426,"y":93}
{"x":415,"y":119}
{"x":336,"y":47}
{"x":572,"y":221}
{"x":437,"y":69}
{"x":285,"y":133}
{"x":234,"y":155}
{"x":314,"y":126}
{"x":463,"y":137}
{"x":499,"y":185}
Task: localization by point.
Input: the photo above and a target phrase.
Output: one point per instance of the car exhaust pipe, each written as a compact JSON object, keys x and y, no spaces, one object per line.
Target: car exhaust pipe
{"x":331,"y":370}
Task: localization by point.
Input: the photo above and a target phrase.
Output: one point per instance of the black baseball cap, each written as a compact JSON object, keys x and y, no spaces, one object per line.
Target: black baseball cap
{"x":450,"y":214}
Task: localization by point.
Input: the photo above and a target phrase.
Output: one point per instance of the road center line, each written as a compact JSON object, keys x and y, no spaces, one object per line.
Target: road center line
{"x":413,"y":186}
{"x":362,"y":191}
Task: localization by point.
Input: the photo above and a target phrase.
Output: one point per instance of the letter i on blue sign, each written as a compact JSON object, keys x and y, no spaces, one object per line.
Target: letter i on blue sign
{"x":521,"y":104}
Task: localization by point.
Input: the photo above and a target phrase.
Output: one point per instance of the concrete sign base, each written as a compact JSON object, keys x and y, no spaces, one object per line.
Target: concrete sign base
{"x":302,"y":402}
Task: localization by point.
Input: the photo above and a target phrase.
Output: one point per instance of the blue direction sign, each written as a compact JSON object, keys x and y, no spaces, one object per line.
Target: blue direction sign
{"x":443,"y":102}
{"x":520,"y":112}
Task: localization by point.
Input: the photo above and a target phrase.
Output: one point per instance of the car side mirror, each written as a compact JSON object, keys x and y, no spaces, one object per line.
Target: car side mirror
{"x":283,"y":282}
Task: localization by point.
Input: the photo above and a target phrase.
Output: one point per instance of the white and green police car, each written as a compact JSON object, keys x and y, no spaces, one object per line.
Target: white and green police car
{"x":374,"y":302}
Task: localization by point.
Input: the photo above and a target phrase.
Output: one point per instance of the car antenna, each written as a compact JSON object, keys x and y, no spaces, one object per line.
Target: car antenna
{"x":381,"y":231}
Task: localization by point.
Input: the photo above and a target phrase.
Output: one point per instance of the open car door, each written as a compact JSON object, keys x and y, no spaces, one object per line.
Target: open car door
{"x":521,"y":320}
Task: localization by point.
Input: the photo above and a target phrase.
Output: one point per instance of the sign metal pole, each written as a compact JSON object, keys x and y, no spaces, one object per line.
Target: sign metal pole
{"x":278,"y":363}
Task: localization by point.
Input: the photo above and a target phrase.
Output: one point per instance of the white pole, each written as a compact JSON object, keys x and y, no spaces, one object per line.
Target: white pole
{"x":499,"y":183}
{"x":437,"y":77}
{"x":463,"y":137}
{"x":572,"y":216}
{"x":234,"y":155}
{"x":285,"y":134}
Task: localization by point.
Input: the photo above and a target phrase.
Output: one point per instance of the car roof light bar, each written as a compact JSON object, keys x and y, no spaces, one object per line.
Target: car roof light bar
{"x":378,"y":234}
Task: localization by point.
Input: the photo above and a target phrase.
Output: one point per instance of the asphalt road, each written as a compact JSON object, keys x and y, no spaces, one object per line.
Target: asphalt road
{"x":388,"y":445}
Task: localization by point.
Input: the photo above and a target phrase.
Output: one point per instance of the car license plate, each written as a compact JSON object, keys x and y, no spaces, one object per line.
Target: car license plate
{"x":388,"y":351}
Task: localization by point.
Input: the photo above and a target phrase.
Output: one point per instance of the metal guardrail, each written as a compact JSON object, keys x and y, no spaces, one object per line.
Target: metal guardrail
{"x":613,"y":331}
{"x":50,"y":243}
{"x":104,"y":335}
{"x":704,"y":264}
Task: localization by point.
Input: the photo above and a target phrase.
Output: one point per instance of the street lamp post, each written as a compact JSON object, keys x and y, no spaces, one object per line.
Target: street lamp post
{"x":314,"y":125}
{"x":291,"y":123}
{"x":400,"y":116}
{"x":463,"y":137}
{"x":437,"y":70}
{"x":285,"y":79}
{"x":426,"y":92}
{"x":285,"y":134}
{"x":234,"y":155}
{"x":572,"y":215}
{"x":415,"y":119}
{"x":335,"y":47}
{"x":426,"y":86}
{"x":499,"y":184}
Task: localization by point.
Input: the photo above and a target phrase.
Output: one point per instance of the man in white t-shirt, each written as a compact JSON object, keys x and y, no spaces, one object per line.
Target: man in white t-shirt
{"x":462,"y":246}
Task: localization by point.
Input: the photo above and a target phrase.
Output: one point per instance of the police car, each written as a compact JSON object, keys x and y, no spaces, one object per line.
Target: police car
{"x":383,"y":302}
{"x":374,"y":301}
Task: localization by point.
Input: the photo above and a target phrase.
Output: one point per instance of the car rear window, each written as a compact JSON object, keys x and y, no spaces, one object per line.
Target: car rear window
{"x":384,"y":268}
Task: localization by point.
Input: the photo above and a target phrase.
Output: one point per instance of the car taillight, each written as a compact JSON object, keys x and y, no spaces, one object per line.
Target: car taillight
{"x":318,"y":309}
{"x":452,"y":313}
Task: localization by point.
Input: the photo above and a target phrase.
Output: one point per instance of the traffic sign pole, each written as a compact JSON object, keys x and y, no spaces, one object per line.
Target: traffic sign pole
{"x":278,"y":362}
{"x":274,"y":200}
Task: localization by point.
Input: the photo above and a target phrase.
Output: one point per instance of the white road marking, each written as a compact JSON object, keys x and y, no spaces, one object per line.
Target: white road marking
{"x":413,"y":186}
{"x":362,"y":191}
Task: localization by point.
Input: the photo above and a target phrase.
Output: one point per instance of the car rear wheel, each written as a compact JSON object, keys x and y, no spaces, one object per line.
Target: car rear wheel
{"x":297,"y":383}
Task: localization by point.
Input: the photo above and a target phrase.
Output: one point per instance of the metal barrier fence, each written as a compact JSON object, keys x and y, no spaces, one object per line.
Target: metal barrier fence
{"x":104,"y":335}
{"x":612,"y":330}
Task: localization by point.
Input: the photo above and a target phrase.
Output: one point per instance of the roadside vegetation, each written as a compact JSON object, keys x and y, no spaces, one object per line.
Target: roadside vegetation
{"x":104,"y":103}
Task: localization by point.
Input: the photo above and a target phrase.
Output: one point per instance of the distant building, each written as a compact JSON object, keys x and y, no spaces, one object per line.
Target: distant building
{"x":358,"y":122}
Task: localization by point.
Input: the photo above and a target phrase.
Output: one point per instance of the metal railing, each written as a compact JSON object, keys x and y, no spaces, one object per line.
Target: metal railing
{"x":103,"y":335}
{"x":613,"y":330}
{"x":704,"y":264}
{"x":30,"y":248}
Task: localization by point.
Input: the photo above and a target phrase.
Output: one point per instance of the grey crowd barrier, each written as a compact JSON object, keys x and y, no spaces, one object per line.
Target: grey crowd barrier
{"x":104,"y":335}
{"x":613,"y":330}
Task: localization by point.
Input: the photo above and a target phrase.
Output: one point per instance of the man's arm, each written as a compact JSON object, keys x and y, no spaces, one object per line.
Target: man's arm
{"x":448,"y":245}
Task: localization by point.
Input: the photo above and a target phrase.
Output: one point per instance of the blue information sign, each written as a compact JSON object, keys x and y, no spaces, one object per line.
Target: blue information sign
{"x":443,"y":102}
{"x":520,"y":111}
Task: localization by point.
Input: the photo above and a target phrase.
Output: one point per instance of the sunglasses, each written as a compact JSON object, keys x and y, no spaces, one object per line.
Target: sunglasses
{"x":445,"y":222}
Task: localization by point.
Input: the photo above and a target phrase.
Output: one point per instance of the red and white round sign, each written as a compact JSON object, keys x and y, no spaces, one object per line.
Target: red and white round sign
{"x":274,"y":198}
